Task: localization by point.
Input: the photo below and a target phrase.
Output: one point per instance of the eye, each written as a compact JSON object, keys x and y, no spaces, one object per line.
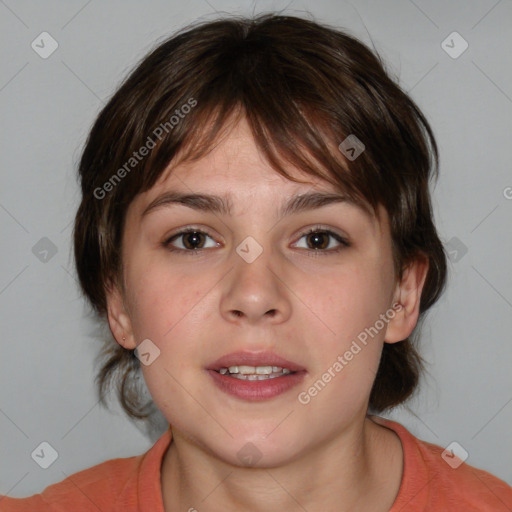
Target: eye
{"x":192,"y":240}
{"x":319,"y":240}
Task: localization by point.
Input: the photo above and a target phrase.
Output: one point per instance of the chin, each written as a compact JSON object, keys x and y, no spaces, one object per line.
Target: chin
{"x":266,"y":448}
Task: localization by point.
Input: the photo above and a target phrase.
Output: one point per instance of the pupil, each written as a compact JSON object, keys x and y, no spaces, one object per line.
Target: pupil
{"x":316,"y":237}
{"x":194,"y":237}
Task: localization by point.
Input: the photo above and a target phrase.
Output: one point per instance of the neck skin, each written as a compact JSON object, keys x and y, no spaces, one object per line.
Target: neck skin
{"x":361,"y":467}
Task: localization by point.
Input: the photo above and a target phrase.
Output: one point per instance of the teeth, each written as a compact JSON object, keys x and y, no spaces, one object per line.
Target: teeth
{"x":240,"y":376}
{"x":243,"y":372}
{"x":259,"y":370}
{"x":263,"y":370}
{"x":249,"y":370}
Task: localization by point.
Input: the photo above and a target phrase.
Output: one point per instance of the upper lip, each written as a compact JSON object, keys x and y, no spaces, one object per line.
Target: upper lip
{"x":254,"y":359}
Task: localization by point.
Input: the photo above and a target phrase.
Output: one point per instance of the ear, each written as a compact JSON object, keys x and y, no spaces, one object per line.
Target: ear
{"x":407,"y":300}
{"x":118,"y":318}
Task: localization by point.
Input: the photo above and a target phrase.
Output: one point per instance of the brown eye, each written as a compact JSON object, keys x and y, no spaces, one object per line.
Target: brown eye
{"x":190,"y":240}
{"x":319,"y":240}
{"x":193,"y":240}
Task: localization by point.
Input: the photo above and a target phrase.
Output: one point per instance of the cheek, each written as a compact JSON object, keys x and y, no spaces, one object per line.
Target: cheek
{"x":351,"y":305}
{"x":167,"y":309}
{"x":162,"y":302}
{"x":345,"y":362}
{"x":352,"y":299}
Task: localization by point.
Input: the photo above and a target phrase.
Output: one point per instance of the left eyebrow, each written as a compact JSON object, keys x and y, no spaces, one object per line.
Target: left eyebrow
{"x":199,"y":202}
{"x":224,"y":204}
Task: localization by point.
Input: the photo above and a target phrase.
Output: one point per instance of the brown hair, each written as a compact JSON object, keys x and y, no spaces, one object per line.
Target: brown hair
{"x":304,"y":87}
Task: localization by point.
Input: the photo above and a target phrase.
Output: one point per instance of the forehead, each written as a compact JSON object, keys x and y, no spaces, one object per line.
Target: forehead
{"x":234,"y":176}
{"x":236,"y":159}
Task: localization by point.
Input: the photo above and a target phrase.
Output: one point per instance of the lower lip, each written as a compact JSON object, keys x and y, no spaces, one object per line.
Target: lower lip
{"x":256,"y":390}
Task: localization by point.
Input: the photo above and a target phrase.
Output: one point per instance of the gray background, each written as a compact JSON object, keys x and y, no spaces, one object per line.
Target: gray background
{"x":48,"y":340}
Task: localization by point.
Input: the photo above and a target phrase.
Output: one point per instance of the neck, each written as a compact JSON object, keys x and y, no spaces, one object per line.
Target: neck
{"x":361,"y":467}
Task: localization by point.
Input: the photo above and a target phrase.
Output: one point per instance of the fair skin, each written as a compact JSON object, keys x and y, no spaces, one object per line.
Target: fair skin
{"x":323,"y":455}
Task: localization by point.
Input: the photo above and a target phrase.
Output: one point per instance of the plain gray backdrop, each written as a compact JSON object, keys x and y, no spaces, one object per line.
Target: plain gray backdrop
{"x":49,"y":344}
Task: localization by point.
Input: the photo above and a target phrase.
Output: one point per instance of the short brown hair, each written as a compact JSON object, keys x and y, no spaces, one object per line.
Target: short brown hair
{"x":304,"y":87}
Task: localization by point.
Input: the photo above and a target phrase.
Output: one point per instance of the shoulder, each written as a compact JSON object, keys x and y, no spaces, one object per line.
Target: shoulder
{"x":83,"y":490}
{"x":435,"y":479}
{"x":463,"y":486}
{"x":117,"y":484}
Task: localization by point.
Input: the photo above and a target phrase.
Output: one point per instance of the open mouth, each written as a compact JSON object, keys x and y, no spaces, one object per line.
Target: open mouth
{"x":255,"y":375}
{"x":244,"y":372}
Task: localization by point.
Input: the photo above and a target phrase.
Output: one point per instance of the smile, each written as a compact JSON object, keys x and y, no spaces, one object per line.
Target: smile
{"x":244,"y":372}
{"x":255,"y":386}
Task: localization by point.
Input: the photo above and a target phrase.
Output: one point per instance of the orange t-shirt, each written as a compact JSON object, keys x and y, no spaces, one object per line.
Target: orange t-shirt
{"x":133,"y":484}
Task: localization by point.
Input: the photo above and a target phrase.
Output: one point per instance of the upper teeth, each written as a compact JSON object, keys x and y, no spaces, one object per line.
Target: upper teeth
{"x":258,"y":370}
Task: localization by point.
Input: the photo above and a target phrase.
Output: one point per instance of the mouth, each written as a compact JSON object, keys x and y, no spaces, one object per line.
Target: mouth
{"x":255,"y":376}
{"x":244,"y":372}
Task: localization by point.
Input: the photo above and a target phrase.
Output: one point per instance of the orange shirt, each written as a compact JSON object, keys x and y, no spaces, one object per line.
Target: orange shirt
{"x":133,"y":484}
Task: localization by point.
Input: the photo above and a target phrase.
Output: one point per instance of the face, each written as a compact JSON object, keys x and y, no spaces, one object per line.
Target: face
{"x":259,"y":283}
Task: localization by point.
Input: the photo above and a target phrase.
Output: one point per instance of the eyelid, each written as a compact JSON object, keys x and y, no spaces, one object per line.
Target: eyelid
{"x":341,"y":239}
{"x":323,"y":228}
{"x":189,"y":229}
{"x":183,"y":231}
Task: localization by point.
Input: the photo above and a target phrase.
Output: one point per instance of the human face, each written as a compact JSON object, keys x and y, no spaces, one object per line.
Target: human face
{"x":304,"y":304}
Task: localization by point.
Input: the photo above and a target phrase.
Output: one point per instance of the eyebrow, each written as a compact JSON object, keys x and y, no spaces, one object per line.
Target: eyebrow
{"x":224,"y":205}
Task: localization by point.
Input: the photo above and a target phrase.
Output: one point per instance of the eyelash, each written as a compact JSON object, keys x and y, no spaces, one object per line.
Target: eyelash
{"x":311,"y":252}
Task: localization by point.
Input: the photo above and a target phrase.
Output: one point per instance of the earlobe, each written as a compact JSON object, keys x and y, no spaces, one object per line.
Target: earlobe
{"x":118,"y":318}
{"x":408,"y":296}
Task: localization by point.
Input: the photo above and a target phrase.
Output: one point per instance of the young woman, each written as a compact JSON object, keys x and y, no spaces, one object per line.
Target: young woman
{"x":256,"y":228}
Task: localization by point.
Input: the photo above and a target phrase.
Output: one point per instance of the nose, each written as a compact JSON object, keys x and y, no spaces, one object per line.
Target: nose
{"x":256,"y":292}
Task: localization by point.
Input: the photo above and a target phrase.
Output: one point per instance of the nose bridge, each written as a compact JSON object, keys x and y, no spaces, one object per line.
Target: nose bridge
{"x":255,"y":290}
